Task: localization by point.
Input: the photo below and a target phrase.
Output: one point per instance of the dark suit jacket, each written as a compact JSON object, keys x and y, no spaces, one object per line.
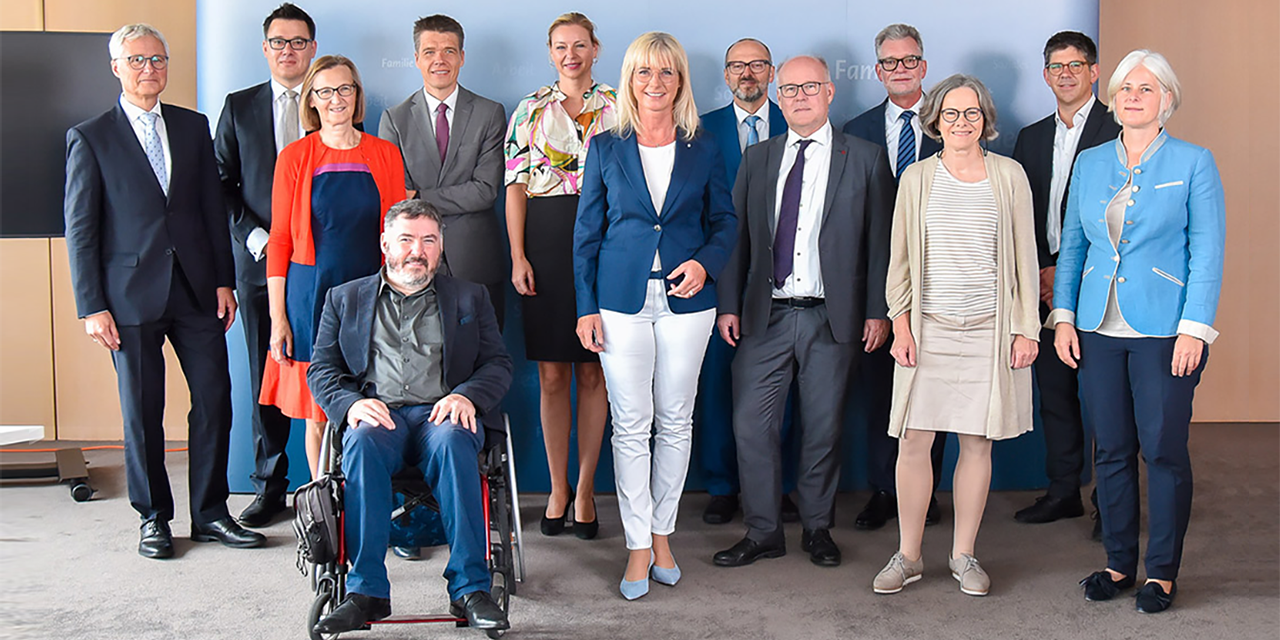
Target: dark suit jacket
{"x":853,"y":243}
{"x":618,"y":230}
{"x":722,"y":124}
{"x":1034,"y":151}
{"x":476,"y":365}
{"x":869,"y":125}
{"x":123,"y":234}
{"x":245,"y":144}
{"x":465,"y":189}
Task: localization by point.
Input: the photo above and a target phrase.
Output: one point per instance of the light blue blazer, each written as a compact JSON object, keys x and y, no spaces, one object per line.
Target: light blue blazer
{"x":1168,"y":264}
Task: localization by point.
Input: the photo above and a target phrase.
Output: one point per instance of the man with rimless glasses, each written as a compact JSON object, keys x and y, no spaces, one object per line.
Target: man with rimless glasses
{"x":895,"y":125}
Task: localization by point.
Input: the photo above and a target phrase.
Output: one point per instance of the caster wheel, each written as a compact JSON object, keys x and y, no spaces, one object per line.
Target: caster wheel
{"x":321,"y":607}
{"x":81,"y":491}
{"x":496,"y":633}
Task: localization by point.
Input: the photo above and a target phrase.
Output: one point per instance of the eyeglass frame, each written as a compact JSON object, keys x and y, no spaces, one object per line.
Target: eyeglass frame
{"x":884,"y":63}
{"x":325,"y":93}
{"x":1061,"y":66}
{"x":764,"y":64}
{"x":271,"y":42}
{"x":942,"y":115}
{"x":139,"y":62}
{"x":800,"y":88}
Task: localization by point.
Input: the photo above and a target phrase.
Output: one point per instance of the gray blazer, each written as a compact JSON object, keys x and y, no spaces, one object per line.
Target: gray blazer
{"x":465,"y":189}
{"x":853,"y":243}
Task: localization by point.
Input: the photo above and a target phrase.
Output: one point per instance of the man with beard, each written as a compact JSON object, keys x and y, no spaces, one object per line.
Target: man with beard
{"x":748,"y":71}
{"x":413,"y":363}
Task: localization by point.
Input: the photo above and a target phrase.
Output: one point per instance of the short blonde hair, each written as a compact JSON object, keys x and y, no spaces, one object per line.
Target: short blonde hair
{"x":656,"y":46}
{"x":931,"y":112}
{"x":1159,"y":67}
{"x":311,"y":117}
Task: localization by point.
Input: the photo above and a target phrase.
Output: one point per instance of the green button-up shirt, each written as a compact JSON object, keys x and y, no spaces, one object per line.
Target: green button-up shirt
{"x":407,"y":363}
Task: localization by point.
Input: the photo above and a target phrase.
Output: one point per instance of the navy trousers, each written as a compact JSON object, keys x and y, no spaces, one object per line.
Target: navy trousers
{"x":447,"y":455}
{"x":1133,"y":404}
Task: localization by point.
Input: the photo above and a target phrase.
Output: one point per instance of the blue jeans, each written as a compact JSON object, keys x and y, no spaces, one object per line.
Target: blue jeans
{"x":447,"y":455}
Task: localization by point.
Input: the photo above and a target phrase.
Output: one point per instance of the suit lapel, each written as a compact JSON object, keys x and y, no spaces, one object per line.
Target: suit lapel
{"x":133,"y":152}
{"x":681,"y":170}
{"x":884,"y":135}
{"x":629,"y":158}
{"x":447,"y":300}
{"x":458,"y":131}
{"x":260,"y":123}
{"x":1092,"y":125}
{"x":773,"y":165}
{"x":366,"y":306}
{"x":839,"y":157}
{"x":420,"y":139}
{"x":777,"y":123}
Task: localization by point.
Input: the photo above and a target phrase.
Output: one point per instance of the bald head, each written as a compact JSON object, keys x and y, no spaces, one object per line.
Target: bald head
{"x":805,"y":93}
{"x":805,"y":65}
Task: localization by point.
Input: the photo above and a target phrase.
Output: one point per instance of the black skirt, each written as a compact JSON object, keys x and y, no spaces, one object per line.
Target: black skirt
{"x":551,"y":316}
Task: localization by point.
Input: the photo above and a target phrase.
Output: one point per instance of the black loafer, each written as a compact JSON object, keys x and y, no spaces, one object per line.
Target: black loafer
{"x":1050,"y":509}
{"x":720,"y":509}
{"x":882,"y":507}
{"x":748,"y":551}
{"x":1151,"y":598}
{"x":1100,"y":587}
{"x":821,"y":548}
{"x":790,"y":512}
{"x":356,"y":611}
{"x":480,"y":611}
{"x":933,"y":515}
{"x":155,"y":540}
{"x":407,"y":553}
{"x":226,"y":531}
{"x":261,"y":512}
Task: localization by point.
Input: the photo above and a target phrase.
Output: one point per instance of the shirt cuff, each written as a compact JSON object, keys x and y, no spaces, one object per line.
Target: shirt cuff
{"x":1058,"y":316}
{"x":257,"y":242}
{"x":1197,"y":330}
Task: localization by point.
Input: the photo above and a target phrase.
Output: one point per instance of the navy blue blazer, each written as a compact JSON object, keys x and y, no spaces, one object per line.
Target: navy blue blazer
{"x":869,"y":126}
{"x":722,"y":124}
{"x":618,"y":230}
{"x":476,"y":364}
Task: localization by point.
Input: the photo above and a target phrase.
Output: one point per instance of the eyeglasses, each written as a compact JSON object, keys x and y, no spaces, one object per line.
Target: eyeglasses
{"x":972,"y":114}
{"x":344,"y":90}
{"x":909,"y":62}
{"x":1056,"y":68}
{"x":645,"y":74}
{"x":793,"y":90}
{"x":757,"y":66}
{"x":297,"y":44}
{"x":138,"y":62}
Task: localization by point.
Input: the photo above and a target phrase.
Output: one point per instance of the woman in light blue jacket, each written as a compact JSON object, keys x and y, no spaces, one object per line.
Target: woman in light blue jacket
{"x":1138,"y":276}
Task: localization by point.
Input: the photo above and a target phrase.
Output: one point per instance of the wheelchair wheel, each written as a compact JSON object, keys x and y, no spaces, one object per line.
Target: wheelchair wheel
{"x":501,"y":595}
{"x":324,"y":603}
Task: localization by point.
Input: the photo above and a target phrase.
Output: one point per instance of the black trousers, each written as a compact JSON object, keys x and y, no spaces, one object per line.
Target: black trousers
{"x":1060,"y":417}
{"x":198,"y":339}
{"x":876,"y":376}
{"x":270,"y":427}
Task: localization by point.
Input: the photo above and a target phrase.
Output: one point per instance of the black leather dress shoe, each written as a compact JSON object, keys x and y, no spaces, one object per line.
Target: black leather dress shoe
{"x":1100,"y":587}
{"x":156,"y":541}
{"x":1050,"y":509}
{"x":720,"y":509}
{"x":1152,"y":598}
{"x":882,"y":507}
{"x":356,"y":611}
{"x":480,"y":611}
{"x":790,"y":512}
{"x":227,"y":532}
{"x":934,"y":514}
{"x":261,"y":512}
{"x":748,"y":551}
{"x":407,"y":553}
{"x":822,"y":549}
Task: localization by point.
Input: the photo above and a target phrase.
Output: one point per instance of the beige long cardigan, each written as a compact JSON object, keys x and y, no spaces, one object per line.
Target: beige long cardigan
{"x":1017,"y":280}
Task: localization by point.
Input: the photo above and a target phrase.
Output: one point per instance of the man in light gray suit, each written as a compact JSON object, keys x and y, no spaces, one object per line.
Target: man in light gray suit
{"x":803,"y":288}
{"x":451,"y":140}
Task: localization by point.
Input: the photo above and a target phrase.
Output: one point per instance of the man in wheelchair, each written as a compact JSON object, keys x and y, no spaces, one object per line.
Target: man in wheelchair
{"x":411,"y":362}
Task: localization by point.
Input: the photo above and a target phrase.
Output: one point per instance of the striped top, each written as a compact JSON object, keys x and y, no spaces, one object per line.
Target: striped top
{"x":959,"y":247}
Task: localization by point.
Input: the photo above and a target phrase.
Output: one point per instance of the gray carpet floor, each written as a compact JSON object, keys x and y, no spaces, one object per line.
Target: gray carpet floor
{"x":71,"y":571}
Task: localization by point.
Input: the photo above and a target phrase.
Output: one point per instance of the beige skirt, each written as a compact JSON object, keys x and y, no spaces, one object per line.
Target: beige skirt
{"x":951,"y":391}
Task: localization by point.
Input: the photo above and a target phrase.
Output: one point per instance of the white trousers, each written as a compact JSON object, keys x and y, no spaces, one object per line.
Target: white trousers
{"x":651,"y":362}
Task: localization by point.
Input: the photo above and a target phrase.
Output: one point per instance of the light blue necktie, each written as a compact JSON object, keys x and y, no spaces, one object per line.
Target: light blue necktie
{"x":155,"y":152}
{"x":906,"y":142}
{"x":753,"y":136}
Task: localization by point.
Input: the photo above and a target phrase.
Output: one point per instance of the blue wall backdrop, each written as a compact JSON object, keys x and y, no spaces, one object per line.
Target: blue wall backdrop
{"x":997,"y":40}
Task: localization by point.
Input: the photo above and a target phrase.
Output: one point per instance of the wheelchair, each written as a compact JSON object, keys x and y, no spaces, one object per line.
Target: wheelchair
{"x":501,"y":514}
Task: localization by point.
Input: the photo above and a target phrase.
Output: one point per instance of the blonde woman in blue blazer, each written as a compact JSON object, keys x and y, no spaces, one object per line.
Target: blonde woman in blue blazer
{"x":1135,"y":296}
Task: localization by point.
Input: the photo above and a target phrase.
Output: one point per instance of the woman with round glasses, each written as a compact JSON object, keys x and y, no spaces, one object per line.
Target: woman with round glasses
{"x":331,"y":190}
{"x":963,"y":290}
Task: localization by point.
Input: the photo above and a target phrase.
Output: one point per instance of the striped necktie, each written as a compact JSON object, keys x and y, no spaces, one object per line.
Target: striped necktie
{"x":906,"y":142}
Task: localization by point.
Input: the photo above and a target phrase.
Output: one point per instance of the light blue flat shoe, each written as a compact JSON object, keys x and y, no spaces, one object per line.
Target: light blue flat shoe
{"x":665,"y":576}
{"x":634,"y":589}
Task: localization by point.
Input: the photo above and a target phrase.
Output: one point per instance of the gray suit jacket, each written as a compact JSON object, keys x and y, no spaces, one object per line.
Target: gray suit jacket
{"x":853,"y":243}
{"x":466,"y":187}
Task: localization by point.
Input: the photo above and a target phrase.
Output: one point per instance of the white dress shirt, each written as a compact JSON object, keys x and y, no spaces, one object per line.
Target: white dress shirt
{"x":1065,"y":141}
{"x":762,"y":125}
{"x":893,"y":129}
{"x":277,"y":108}
{"x":658,"y":162}
{"x":432,"y":104}
{"x":805,"y":280}
{"x":134,"y":113}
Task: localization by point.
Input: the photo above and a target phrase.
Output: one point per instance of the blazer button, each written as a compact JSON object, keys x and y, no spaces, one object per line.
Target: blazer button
{"x":1130,"y":203}
{"x":1124,"y":242}
{"x":657,"y":227}
{"x":1136,"y":188}
{"x":1120,"y":279}
{"x":169,"y":251}
{"x":1116,"y":258}
{"x":1137,"y":170}
{"x":1128,"y":222}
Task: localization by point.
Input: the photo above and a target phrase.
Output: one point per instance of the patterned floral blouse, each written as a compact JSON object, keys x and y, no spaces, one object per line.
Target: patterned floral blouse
{"x":546,"y":148}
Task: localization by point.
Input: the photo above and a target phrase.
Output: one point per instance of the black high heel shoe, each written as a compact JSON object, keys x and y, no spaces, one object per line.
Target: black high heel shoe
{"x":588,"y":530}
{"x":555,"y":526}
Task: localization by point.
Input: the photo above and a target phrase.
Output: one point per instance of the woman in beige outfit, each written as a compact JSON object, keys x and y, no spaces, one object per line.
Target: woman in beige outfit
{"x":962,"y":291}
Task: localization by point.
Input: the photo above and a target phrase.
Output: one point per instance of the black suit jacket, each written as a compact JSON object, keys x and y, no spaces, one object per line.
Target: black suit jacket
{"x":245,"y":144}
{"x":853,"y":242}
{"x":476,"y":364}
{"x":123,"y":234}
{"x":869,"y":126}
{"x":1034,"y":151}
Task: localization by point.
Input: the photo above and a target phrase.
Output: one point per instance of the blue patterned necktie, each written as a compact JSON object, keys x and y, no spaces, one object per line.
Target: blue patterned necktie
{"x":906,"y":142}
{"x":155,"y":152}
{"x":753,"y":135}
{"x":784,"y":238}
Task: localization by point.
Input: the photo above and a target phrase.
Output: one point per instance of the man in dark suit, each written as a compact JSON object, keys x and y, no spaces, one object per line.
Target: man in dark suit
{"x":411,"y":362}
{"x":803,"y":288}
{"x":1047,"y":150}
{"x":451,"y":140}
{"x":255,"y":125}
{"x":895,"y":125}
{"x":147,"y":242}
{"x":750,"y":118}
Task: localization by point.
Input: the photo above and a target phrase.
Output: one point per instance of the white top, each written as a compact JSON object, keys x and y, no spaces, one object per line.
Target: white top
{"x":1113,"y":322}
{"x":134,"y":113}
{"x":1065,"y":141}
{"x":805,"y":280}
{"x":893,"y":129}
{"x":432,"y":104}
{"x":960,"y":225}
{"x":658,"y":163}
{"x":762,"y":125}
{"x":277,"y":110}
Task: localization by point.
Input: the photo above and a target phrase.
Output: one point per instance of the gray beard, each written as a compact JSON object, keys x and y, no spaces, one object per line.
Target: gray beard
{"x":749,"y":97}
{"x":407,"y":281}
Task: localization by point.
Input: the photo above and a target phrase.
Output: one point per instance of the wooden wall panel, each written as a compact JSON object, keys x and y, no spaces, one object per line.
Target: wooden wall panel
{"x":22,"y":15}
{"x":26,"y":335}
